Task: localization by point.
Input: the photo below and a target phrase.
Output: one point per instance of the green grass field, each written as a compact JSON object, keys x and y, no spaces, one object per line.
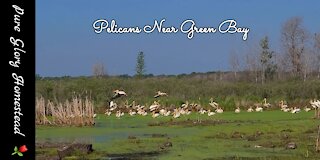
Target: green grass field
{"x":222,"y":136}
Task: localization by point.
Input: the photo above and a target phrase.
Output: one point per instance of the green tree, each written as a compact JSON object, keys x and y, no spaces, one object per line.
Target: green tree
{"x":140,"y":67}
{"x":266,"y":59}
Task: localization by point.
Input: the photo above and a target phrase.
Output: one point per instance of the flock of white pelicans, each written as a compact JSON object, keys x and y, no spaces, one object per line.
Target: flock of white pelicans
{"x":156,"y":110}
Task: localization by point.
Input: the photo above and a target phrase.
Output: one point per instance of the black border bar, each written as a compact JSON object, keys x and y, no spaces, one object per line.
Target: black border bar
{"x":18,"y":111}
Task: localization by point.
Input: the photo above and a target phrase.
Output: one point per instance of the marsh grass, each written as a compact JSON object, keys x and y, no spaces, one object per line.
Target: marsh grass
{"x":237,"y":139}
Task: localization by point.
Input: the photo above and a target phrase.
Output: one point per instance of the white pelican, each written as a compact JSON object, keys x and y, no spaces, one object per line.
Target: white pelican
{"x":141,"y":110}
{"x":202,"y":111}
{"x":182,"y":111}
{"x":155,"y":115}
{"x":162,"y":111}
{"x":187,"y":112}
{"x":219,"y":110}
{"x":282,"y":105}
{"x":211,"y":113}
{"x":154,"y":106}
{"x":144,"y":113}
{"x":295,"y":110}
{"x":112,"y":106}
{"x":213,"y":103}
{"x":237,"y":110}
{"x":167,"y":113}
{"x":185,"y":105}
{"x":257,"y":146}
{"x":176,"y":114}
{"x":307,"y":109}
{"x":160,"y":94}
{"x":259,"y":109}
{"x":250,"y":109}
{"x":286,"y":109}
{"x":315,"y":104}
{"x":265,"y":104}
{"x":132,"y":113}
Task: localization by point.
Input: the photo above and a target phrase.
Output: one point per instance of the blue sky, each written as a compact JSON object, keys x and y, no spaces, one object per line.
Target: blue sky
{"x":66,"y":43}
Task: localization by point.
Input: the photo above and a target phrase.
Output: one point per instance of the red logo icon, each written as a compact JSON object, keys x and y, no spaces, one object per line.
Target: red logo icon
{"x":20,"y":151}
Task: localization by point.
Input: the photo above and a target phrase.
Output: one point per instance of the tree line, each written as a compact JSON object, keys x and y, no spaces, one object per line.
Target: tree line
{"x":299,"y":57}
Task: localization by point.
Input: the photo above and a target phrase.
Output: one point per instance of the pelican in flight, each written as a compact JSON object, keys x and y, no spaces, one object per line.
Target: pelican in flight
{"x":118,"y":93}
{"x":160,"y":94}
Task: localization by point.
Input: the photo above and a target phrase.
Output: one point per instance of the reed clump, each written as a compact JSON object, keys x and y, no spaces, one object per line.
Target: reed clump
{"x":74,"y":112}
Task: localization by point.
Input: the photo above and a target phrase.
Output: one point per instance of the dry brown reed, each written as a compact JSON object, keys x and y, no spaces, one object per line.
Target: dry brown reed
{"x":77,"y":112}
{"x":41,"y":113}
